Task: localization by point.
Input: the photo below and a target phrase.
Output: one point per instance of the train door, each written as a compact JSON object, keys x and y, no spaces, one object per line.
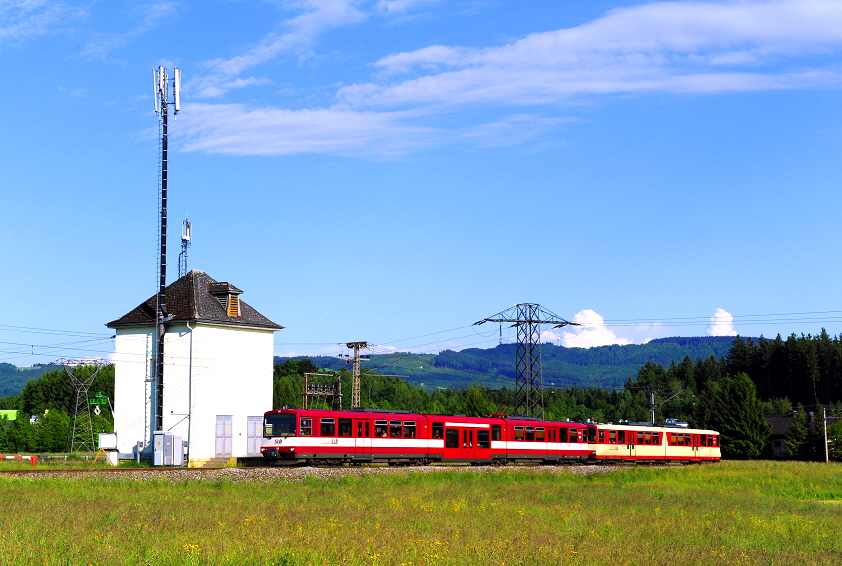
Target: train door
{"x":630,"y":444}
{"x":695,"y":444}
{"x":452,"y":443}
{"x":469,"y":444}
{"x":483,"y":444}
{"x":363,"y":440}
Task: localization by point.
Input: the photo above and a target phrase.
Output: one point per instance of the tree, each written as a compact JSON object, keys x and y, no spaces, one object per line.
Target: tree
{"x":736,"y":412}
{"x":477,"y":403}
{"x":796,"y":441}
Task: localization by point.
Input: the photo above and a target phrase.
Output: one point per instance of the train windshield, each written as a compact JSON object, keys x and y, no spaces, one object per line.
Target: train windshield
{"x":278,"y":424}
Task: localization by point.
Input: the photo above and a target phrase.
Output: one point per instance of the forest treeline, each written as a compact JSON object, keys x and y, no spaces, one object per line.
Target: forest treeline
{"x":733,"y":394}
{"x":45,"y":408}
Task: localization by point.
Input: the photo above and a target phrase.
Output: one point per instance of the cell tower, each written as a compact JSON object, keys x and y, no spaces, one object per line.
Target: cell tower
{"x":161,"y":84}
{"x":82,"y":433}
{"x":186,"y":229}
{"x":529,"y":382}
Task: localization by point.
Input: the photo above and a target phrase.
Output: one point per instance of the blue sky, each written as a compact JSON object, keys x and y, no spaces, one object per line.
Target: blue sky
{"x":394,"y":170}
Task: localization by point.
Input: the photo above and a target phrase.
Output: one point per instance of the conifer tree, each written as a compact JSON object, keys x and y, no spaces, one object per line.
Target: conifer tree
{"x":736,"y":412}
{"x":796,"y":440}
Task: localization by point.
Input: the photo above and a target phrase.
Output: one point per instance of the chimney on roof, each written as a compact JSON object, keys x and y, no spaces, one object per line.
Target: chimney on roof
{"x":228,"y":296}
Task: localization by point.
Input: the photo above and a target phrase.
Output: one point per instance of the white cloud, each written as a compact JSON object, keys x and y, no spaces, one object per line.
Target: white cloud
{"x":662,"y":46}
{"x":676,"y":47}
{"x":22,"y":19}
{"x":301,"y":33}
{"x":593,"y":332}
{"x":149,"y":16}
{"x":392,"y":7}
{"x":721,"y":324}
{"x":238,"y":130}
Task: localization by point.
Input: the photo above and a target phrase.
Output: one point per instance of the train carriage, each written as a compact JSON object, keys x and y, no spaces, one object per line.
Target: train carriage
{"x":396,"y":437}
{"x":641,"y":442}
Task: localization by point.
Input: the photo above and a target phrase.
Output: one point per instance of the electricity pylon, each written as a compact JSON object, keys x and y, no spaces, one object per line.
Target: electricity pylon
{"x":355,"y":359}
{"x":82,"y":434}
{"x":529,"y":381}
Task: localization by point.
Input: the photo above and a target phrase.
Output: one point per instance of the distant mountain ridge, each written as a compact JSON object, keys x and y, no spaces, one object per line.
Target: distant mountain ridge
{"x":600,"y":366}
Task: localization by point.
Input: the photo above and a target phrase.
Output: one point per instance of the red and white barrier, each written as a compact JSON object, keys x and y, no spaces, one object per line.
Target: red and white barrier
{"x":32,"y":459}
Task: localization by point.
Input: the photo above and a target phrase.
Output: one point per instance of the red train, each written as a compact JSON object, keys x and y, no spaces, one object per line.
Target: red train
{"x":395,"y":437}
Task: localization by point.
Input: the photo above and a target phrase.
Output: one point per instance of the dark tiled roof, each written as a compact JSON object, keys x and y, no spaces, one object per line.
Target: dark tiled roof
{"x":190,"y":299}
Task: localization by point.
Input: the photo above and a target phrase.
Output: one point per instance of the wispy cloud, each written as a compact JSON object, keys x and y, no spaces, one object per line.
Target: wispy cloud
{"x":721,"y":324}
{"x":299,"y":35}
{"x":150,"y":16}
{"x":23,"y":19}
{"x":674,"y":47}
{"x":238,"y":130}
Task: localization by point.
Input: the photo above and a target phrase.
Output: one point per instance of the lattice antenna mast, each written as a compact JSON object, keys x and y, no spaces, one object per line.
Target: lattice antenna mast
{"x":82,"y":433}
{"x":355,"y":359}
{"x":186,"y":233}
{"x":529,"y":381}
{"x":161,"y":83}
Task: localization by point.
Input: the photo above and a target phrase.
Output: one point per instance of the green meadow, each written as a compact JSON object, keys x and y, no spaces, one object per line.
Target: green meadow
{"x":727,"y":513}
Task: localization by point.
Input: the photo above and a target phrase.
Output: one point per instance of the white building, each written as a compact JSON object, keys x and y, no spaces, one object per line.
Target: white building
{"x":217,"y":370}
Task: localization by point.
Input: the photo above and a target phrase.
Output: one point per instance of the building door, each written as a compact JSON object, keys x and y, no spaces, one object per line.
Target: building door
{"x":255,"y":435}
{"x":224,"y":436}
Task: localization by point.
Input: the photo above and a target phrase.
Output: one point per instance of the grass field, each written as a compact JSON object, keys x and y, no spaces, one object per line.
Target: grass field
{"x":728,"y":513}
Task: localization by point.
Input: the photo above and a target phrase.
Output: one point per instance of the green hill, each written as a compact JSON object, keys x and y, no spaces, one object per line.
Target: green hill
{"x":603,"y":366}
{"x":13,"y":378}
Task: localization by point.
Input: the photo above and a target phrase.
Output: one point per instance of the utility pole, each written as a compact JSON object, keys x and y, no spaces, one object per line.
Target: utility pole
{"x":161,"y":88}
{"x":529,"y":382}
{"x":355,"y":359}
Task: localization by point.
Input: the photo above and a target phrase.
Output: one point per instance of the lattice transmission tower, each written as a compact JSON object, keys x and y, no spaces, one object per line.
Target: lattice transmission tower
{"x":82,"y":433}
{"x":529,"y":380}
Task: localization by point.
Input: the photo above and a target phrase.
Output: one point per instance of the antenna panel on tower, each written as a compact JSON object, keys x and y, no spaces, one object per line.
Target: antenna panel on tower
{"x":177,"y":88}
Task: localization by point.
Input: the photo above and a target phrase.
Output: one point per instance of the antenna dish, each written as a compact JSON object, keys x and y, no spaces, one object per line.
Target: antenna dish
{"x":177,"y":88}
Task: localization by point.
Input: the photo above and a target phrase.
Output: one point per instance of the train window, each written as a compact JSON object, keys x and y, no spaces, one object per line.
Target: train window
{"x":602,"y":437}
{"x":574,"y":435}
{"x":592,"y":435}
{"x":344,"y":427}
{"x":640,"y":437}
{"x":306,"y":427}
{"x":437,"y":430}
{"x":612,"y":437}
{"x":530,"y":433}
{"x":452,"y":438}
{"x":367,"y":430}
{"x":562,"y":435}
{"x":381,"y":429}
{"x":703,"y":441}
{"x":328,"y":427}
{"x":495,"y":432}
{"x":518,"y":433}
{"x":656,"y":438}
{"x":395,"y":429}
{"x":278,"y":424}
{"x":539,"y":434}
{"x":359,"y":428}
{"x":409,"y":429}
{"x":482,"y":439}
{"x":647,"y":438}
{"x":716,"y":440}
{"x":621,"y":437}
{"x":671,"y":439}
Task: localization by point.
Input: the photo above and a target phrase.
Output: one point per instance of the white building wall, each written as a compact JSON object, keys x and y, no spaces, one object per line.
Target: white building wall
{"x":133,"y":348}
{"x":231,"y":374}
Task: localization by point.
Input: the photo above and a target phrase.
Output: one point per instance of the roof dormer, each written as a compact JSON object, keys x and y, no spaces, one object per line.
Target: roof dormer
{"x":228,"y":296}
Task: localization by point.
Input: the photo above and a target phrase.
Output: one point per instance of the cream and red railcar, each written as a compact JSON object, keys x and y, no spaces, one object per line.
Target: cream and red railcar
{"x":322,"y":436}
{"x":645,"y":443}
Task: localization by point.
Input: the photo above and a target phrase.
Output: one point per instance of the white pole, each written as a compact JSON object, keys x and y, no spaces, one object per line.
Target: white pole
{"x":824,"y":422}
